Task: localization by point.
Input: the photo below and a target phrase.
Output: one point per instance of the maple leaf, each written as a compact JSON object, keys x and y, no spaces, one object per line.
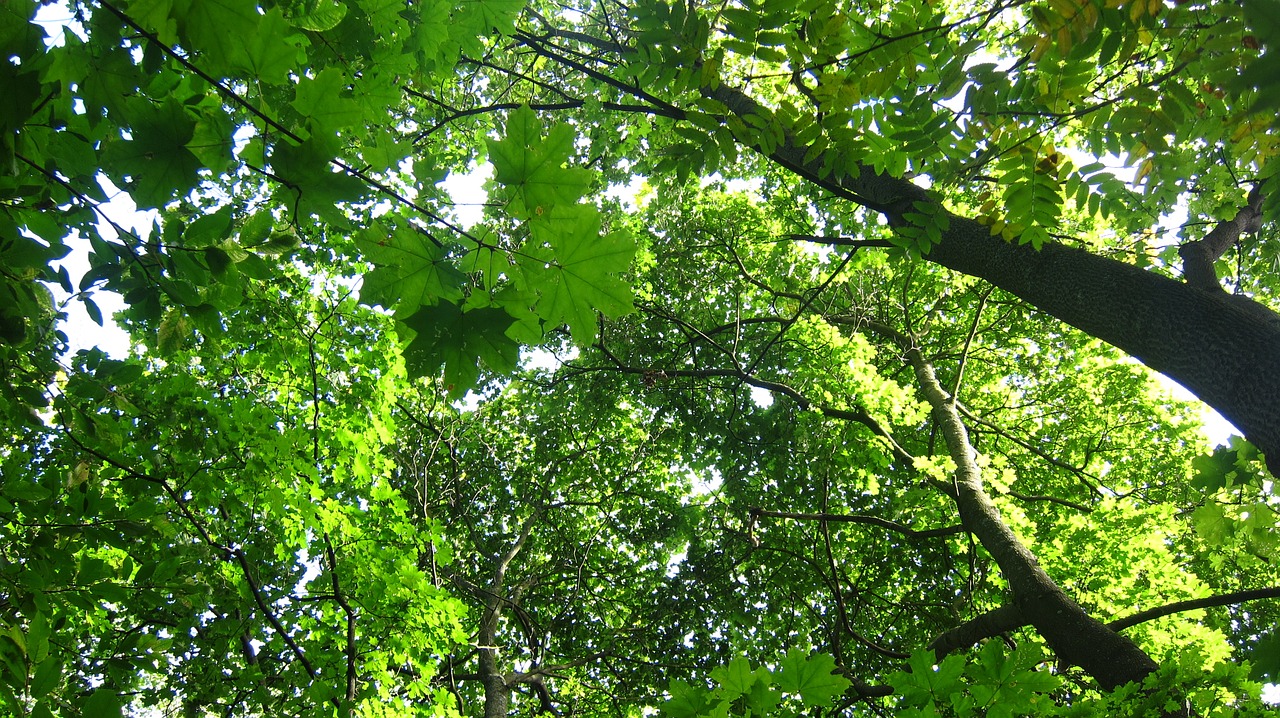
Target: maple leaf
{"x":325,"y":99}
{"x":577,"y":281}
{"x":457,"y":340}
{"x":813,"y":677}
{"x":156,"y":157}
{"x":533,"y":167}
{"x":410,"y":271}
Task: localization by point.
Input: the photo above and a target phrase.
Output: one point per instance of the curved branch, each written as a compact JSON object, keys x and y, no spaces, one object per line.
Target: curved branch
{"x":1010,"y":617}
{"x":1198,"y":256}
{"x":1226,"y":599}
{"x":331,"y":558}
{"x":1112,"y":659}
{"x":228,"y":553}
{"x":1051,"y":499}
{"x":1006,"y":618}
{"x":859,"y":519}
{"x":855,"y":415}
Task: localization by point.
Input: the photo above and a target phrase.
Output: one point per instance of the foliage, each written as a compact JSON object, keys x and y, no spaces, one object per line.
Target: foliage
{"x":788,"y":367}
{"x":998,"y":684}
{"x":799,"y":683}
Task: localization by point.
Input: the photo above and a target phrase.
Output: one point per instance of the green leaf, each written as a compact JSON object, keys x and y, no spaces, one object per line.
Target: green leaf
{"x":763,"y":698}
{"x":1214,"y":471}
{"x":47,"y":676}
{"x":686,"y":700}
{"x":91,"y":308}
{"x":208,"y":229}
{"x":410,"y":270}
{"x":156,"y":160}
{"x":459,"y":341}
{"x":486,"y":17}
{"x":156,"y":16}
{"x":218,"y":30}
{"x":20,"y":253}
{"x":326,"y":100}
{"x":310,"y":183}
{"x":813,"y":677}
{"x":735,"y":679}
{"x":38,"y":638}
{"x":212,"y":141}
{"x":103,"y":703}
{"x":1265,"y":657}
{"x":1212,"y":524}
{"x":316,"y":15}
{"x":25,"y":491}
{"x":273,"y":50}
{"x":926,"y":683}
{"x":533,"y":167}
{"x":579,"y":278}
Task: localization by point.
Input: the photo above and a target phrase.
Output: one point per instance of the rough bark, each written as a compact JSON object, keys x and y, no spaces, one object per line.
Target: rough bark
{"x":987,"y":625}
{"x":1222,"y":348}
{"x":1198,"y":256}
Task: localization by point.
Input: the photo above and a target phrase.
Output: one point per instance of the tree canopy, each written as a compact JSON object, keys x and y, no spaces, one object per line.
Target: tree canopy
{"x":802,"y":359}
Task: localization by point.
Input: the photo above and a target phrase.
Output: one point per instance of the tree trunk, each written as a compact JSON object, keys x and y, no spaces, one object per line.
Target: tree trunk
{"x":1222,"y":348}
{"x":1078,"y":638}
{"x":497,"y":694}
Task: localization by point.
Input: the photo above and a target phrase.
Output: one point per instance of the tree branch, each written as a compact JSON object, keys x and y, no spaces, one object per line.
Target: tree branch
{"x":1198,"y":256}
{"x":1112,"y":659}
{"x":1226,"y":599}
{"x":855,"y":415}
{"x":986,"y":625}
{"x":858,"y":519}
{"x":331,"y":558}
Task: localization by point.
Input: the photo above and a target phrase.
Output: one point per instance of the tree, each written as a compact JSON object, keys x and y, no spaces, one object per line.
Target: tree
{"x":897,"y":448}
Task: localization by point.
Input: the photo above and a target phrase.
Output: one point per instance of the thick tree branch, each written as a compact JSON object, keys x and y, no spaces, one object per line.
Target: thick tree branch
{"x":497,"y":688}
{"x":1078,"y":638}
{"x":1010,"y":618}
{"x":1224,"y":349}
{"x":1006,"y":618}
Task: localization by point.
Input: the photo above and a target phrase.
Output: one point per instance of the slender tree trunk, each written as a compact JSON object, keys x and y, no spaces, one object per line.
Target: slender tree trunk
{"x":497,"y":694}
{"x":1075,"y":636}
{"x":497,"y":691}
